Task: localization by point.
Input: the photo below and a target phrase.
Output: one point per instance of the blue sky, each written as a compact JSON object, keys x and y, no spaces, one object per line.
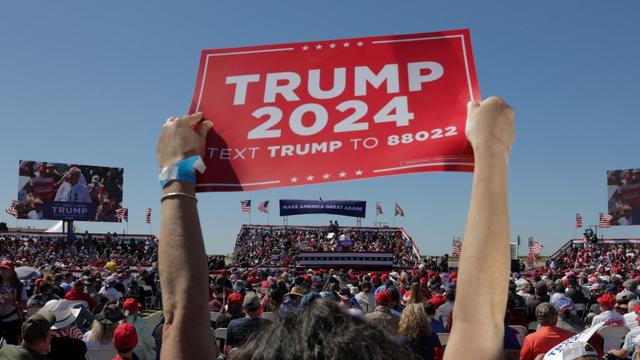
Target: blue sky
{"x":91,"y":82}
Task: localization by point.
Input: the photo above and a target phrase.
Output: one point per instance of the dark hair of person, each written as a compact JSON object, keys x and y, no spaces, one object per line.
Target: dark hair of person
{"x":451,"y":294}
{"x":14,"y":281}
{"x":429,"y":308}
{"x":415,"y":296}
{"x":319,"y":331}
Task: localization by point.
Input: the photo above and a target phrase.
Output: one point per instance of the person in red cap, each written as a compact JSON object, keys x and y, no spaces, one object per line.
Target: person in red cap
{"x":382,"y":316}
{"x":146,"y":346}
{"x":125,"y":339}
{"x":437,"y":297}
{"x":608,"y":315}
{"x":77,"y":293}
{"x":13,"y":298}
{"x":232,"y":312}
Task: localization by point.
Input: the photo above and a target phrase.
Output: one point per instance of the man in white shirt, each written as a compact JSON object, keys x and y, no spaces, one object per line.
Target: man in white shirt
{"x":608,"y":315}
{"x":73,"y":189}
{"x":631,"y":318}
{"x":109,"y":291}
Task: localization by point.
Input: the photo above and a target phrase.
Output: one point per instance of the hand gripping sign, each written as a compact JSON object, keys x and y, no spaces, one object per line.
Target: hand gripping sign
{"x":324,"y":111}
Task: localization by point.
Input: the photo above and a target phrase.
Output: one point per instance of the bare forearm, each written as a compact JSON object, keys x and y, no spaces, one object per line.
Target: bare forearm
{"x":484,"y":266}
{"x":485,"y":260}
{"x":183,"y":272}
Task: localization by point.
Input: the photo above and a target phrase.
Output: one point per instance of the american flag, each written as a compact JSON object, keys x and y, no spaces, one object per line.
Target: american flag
{"x":535,"y":250}
{"x":11,"y":210}
{"x":399,"y":210}
{"x":245,"y":205}
{"x":148,"y":215}
{"x":122,"y":214}
{"x":262,"y":206}
{"x":456,"y":248}
{"x":379,"y":208}
{"x":578,"y":221}
{"x":605,"y":220}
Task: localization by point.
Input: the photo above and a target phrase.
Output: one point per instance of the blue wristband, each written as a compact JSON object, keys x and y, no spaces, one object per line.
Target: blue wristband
{"x":183,"y":170}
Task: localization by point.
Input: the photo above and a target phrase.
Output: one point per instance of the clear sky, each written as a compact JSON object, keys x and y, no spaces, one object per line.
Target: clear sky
{"x":92,"y":82}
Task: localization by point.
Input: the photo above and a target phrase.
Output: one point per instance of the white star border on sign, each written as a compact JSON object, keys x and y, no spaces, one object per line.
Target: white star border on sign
{"x":326,"y":176}
{"x":332,"y":45}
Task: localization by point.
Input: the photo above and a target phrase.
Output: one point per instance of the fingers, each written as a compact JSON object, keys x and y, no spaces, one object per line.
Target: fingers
{"x":192,"y":119}
{"x":204,"y":128}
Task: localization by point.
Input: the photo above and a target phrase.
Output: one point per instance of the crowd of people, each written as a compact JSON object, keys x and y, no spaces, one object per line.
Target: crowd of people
{"x":585,"y":285}
{"x":91,"y":310}
{"x":258,"y":245}
{"x":81,"y":251}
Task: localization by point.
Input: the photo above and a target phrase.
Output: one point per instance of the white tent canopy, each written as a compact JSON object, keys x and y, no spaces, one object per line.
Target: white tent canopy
{"x":57,"y":228}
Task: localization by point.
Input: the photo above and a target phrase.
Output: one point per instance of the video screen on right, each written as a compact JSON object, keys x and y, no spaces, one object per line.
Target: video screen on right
{"x":623,"y":188}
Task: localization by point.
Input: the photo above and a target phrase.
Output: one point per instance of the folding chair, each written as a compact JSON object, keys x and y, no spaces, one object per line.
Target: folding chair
{"x":101,"y":354}
{"x":613,"y":336}
{"x":444,"y":337}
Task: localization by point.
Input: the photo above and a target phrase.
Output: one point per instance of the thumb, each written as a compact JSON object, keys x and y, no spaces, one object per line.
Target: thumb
{"x":472,"y":105}
{"x":204,"y":128}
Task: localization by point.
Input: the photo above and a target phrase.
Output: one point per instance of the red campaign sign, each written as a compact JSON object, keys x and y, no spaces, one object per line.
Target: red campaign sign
{"x":324,"y":111}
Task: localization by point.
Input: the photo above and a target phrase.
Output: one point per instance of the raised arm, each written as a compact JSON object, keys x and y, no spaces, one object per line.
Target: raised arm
{"x":481,"y":292}
{"x":182,"y":258}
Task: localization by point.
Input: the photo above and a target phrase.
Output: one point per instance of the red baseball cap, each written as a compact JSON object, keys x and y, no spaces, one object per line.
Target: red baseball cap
{"x":235,"y":298}
{"x":383,"y":298}
{"x":6,"y":264}
{"x":424,"y":281}
{"x":131,"y":304}
{"x":607,"y":300}
{"x":125,"y":337}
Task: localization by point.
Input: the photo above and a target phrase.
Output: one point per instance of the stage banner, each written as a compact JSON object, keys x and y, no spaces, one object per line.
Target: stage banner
{"x":623,"y":188}
{"x":345,"y":259}
{"x":324,"y":111}
{"x":352,"y":208}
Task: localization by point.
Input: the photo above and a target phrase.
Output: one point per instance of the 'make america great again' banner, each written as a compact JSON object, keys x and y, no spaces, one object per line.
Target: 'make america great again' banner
{"x":352,"y":208}
{"x":324,"y":111}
